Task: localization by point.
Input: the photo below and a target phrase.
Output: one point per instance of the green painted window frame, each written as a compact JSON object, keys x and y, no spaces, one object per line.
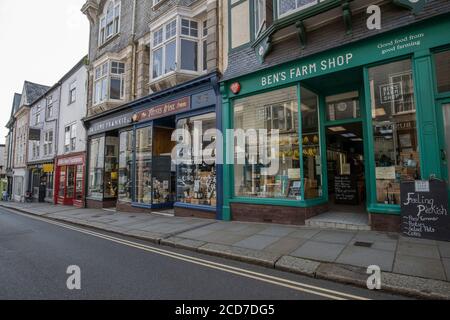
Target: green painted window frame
{"x":442,"y":95}
{"x":276,"y":201}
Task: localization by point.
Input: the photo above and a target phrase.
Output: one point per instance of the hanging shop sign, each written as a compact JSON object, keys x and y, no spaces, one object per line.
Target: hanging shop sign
{"x":424,"y":210}
{"x":48,"y":168}
{"x":163,"y":110}
{"x":76,"y":160}
{"x":34,"y":134}
{"x":111,"y":124}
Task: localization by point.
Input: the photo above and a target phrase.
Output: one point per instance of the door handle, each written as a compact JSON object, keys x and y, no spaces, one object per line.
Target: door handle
{"x":443,"y":155}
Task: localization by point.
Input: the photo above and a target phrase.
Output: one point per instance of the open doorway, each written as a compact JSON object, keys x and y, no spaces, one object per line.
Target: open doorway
{"x":345,"y":168}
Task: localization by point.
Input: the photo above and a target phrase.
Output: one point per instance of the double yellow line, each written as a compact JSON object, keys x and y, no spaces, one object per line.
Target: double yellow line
{"x":294,"y":285}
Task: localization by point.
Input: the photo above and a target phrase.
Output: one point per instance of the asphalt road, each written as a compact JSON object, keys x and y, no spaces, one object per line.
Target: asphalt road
{"x":35,"y":255}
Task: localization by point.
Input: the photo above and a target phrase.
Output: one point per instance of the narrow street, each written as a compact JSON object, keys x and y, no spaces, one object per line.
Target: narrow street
{"x":35,"y":255}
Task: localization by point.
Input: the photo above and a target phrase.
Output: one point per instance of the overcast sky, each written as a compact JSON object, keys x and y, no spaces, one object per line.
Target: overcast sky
{"x":39,"y":41}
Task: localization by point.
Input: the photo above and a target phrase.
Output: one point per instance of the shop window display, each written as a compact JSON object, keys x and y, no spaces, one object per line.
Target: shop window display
{"x":394,"y":129}
{"x":125,"y":165}
{"x":197,"y":182}
{"x":276,"y":110}
{"x":96,"y":167}
{"x":312,"y":167}
{"x":442,"y":63}
{"x":143,"y":176}
{"x":111,"y":167}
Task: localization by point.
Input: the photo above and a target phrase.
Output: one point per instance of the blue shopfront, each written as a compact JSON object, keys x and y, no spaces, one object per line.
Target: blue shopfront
{"x":167,"y":174}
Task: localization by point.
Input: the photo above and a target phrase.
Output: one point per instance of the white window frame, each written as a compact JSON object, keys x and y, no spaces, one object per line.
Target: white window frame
{"x":103,"y":72}
{"x":48,"y":143}
{"x":73,"y":92}
{"x":109,"y":18}
{"x":297,"y":9}
{"x":37,"y":116}
{"x":71,"y":129}
{"x":260,"y":12}
{"x":157,"y":45}
{"x":49,"y":109}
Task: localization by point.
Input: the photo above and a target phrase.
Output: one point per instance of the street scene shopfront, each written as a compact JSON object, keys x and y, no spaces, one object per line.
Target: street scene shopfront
{"x":132,"y":155}
{"x":41,"y":177}
{"x":70,"y":181}
{"x":353,"y":122}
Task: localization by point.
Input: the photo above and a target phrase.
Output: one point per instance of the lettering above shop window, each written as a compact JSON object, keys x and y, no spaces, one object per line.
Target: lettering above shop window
{"x":110,"y":124}
{"x":71,"y":161}
{"x":163,"y":110}
{"x":307,"y":69}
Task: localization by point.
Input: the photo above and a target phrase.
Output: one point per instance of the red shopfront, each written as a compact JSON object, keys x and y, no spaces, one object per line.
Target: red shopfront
{"x":69,"y":183}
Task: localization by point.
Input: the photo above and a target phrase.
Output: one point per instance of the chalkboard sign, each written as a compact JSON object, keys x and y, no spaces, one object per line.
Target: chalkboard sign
{"x":424,"y":207}
{"x":345,"y":189}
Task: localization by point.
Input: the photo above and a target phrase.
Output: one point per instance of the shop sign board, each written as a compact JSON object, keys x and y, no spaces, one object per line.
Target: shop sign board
{"x":163,"y":110}
{"x":424,"y":210}
{"x":110,"y":124}
{"x":76,"y":160}
{"x":203,"y":99}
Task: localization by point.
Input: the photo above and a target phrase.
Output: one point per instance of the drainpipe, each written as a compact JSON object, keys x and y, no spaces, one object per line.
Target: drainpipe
{"x":133,"y":53}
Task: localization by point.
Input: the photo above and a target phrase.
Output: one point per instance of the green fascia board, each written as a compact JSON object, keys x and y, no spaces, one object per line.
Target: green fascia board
{"x":291,"y":19}
{"x":364,"y":52}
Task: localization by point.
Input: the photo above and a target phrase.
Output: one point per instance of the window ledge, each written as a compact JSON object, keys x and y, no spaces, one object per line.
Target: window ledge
{"x":172,"y":79}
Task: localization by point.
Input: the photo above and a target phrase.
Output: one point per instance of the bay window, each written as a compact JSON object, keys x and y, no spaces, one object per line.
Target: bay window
{"x":286,"y":7}
{"x":109,"y":22}
{"x":178,"y":45}
{"x":109,"y":82}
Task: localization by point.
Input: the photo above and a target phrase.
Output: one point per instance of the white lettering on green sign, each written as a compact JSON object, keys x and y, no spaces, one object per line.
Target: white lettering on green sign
{"x":307,"y":69}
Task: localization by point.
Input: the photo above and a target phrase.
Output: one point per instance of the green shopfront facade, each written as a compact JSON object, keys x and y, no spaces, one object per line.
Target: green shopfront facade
{"x":384,"y":99}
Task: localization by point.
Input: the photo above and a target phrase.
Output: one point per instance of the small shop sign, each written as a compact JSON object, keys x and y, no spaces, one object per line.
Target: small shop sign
{"x":71,"y":161}
{"x":163,"y":110}
{"x":110,"y":124}
{"x":391,"y":92}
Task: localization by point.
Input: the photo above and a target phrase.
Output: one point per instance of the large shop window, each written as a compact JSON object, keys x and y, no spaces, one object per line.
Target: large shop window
{"x":125,"y":166}
{"x":111,"y":167}
{"x":442,"y":63}
{"x":143,"y":176}
{"x":196,"y":180}
{"x":257,"y":116}
{"x":96,"y":167}
{"x":394,"y":129}
{"x":311,"y":144}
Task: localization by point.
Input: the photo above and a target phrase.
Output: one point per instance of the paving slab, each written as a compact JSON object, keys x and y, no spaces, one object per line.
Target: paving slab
{"x":418,"y":250}
{"x":332,"y":236}
{"x":419,"y":267}
{"x":417,"y":240}
{"x":364,"y":257}
{"x":183,"y":243}
{"x":277,"y":231}
{"x":444,"y":249}
{"x":257,"y":242}
{"x":222,"y":237}
{"x":285,"y":245}
{"x":321,"y":251}
{"x":305,"y":233}
{"x":374,"y":236}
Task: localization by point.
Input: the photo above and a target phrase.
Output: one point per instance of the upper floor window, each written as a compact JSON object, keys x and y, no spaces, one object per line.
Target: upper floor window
{"x":37,"y":116}
{"x":35,"y":149}
{"x":109,"y":81}
{"x":178,"y":48}
{"x":286,"y":7}
{"x":155,"y":2}
{"x":109,"y":22}
{"x":48,"y":142}
{"x":70,"y":138}
{"x":50,"y":107}
{"x":72,"y":92}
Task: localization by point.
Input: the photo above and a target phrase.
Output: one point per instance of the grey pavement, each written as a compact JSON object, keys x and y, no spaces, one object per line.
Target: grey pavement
{"x":268,"y":244}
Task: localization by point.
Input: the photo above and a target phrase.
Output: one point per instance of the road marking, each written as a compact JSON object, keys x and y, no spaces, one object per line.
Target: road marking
{"x":298,"y":286}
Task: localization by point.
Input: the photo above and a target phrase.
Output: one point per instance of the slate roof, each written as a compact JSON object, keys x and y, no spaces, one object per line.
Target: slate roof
{"x":16,"y":103}
{"x":34,"y":91}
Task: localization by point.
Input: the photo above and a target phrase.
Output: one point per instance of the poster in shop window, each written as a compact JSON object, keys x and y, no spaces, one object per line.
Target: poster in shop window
{"x":424,"y":210}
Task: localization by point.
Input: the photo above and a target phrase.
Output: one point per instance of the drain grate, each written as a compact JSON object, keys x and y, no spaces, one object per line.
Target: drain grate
{"x":363,"y":244}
